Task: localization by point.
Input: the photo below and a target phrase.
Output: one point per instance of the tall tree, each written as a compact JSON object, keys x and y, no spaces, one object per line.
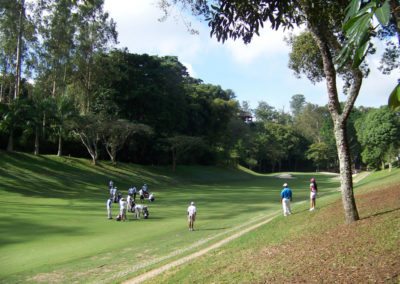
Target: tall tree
{"x":17,"y":33}
{"x":241,"y":19}
{"x":379,"y":134}
{"x":297,"y":103}
{"x":88,"y":129}
{"x":57,"y":29}
{"x":310,"y":121}
{"x":319,"y":153}
{"x":181,"y":145}
{"x":40,"y":112}
{"x":64,"y":114}
{"x":94,"y":35}
{"x":114,"y":134}
{"x":322,"y":22}
{"x":20,"y":46}
{"x":13,"y":116}
{"x":265,"y":112}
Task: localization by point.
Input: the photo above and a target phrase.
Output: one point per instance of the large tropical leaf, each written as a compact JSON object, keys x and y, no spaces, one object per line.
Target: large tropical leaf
{"x":383,"y":13}
{"x":352,"y":9}
{"x":394,"y":99}
{"x":357,"y":31}
{"x":361,"y":53}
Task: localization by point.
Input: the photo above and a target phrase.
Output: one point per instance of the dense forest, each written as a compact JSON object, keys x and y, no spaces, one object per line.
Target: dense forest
{"x":65,"y":89}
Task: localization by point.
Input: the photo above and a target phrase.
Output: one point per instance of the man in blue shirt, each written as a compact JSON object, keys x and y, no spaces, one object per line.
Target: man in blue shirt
{"x":286,"y":197}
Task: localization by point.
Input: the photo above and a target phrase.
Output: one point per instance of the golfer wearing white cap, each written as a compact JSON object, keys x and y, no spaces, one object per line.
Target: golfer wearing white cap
{"x":191,"y":212}
{"x":286,"y":197}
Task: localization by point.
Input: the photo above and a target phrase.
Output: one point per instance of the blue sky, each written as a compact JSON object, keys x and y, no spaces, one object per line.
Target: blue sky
{"x":255,"y":72}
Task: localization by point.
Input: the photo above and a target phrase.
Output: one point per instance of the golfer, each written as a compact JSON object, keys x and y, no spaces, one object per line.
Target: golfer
{"x":286,"y":198}
{"x":313,"y":193}
{"x":109,"y":202}
{"x":191,"y":212}
{"x":122,"y":209}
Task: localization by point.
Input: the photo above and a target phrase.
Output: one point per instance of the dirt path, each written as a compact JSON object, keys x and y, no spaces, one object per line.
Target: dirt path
{"x":360,"y":176}
{"x":157,"y":271}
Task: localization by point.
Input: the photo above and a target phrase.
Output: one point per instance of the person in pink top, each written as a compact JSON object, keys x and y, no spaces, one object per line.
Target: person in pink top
{"x":313,"y":193}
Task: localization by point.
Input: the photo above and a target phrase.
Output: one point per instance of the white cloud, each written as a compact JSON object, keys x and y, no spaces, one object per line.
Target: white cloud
{"x":256,"y":71}
{"x":376,"y":89}
{"x":270,"y":43}
{"x":190,"y":69}
{"x":140,"y":30}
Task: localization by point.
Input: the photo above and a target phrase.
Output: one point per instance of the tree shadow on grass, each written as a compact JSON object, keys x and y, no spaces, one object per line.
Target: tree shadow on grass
{"x":45,"y":177}
{"x":23,"y":231}
{"x":133,"y":218}
{"x":213,"y":229}
{"x":380,"y":213}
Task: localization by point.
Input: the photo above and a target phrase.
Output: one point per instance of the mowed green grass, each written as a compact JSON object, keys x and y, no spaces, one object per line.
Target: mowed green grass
{"x":53,"y":225}
{"x":312,"y":247}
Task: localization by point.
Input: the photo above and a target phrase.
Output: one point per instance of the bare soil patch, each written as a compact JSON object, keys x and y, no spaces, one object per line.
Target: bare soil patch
{"x":367,"y":251}
{"x":285,"y":176}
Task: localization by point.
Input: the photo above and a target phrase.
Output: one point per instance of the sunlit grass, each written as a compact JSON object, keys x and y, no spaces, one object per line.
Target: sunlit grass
{"x":53,"y":219}
{"x":296,"y":242}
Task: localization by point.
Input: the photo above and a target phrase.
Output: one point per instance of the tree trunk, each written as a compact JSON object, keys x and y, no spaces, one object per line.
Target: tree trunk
{"x":36,"y":151}
{"x":1,"y":91}
{"x":346,"y":187}
{"x":19,"y":50}
{"x":114,"y":155}
{"x":94,"y":152}
{"x":91,"y":147}
{"x":59,"y":152}
{"x":53,"y":92}
{"x":10,"y":144}
{"x":44,"y":125}
{"x":339,"y":117}
{"x":94,"y":160}
{"x":174,"y":158}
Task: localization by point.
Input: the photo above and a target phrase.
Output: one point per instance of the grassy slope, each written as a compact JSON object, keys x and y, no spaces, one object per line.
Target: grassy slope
{"x":53,"y":225}
{"x":313,"y":247}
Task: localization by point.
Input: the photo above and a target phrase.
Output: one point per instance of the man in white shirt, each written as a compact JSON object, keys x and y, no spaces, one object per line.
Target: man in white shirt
{"x":191,"y":212}
{"x":132,"y":192}
{"x":109,"y":202}
{"x":129,"y":202}
{"x":122,"y":209}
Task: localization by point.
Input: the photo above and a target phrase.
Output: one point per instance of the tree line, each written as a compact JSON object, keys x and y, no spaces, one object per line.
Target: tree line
{"x":66,"y":90}
{"x":148,"y":110}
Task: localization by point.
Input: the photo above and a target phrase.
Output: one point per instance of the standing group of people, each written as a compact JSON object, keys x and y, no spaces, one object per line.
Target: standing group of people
{"x":128,"y":203}
{"x":286,"y":197}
